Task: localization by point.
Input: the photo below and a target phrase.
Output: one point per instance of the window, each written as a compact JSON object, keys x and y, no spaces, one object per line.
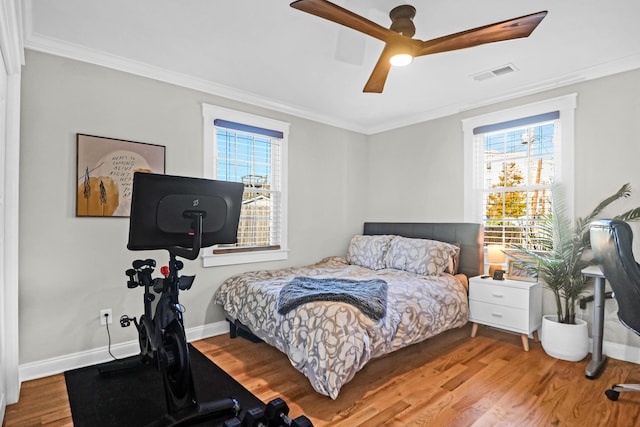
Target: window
{"x":250,"y":149}
{"x":512,"y":158}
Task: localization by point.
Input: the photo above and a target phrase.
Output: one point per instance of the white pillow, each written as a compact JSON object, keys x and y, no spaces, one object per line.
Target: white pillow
{"x":454,"y":262}
{"x":369,"y":251}
{"x":420,"y":256}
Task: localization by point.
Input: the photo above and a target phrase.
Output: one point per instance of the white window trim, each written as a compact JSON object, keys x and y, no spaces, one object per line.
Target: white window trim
{"x":211,"y":112}
{"x":564,"y":155}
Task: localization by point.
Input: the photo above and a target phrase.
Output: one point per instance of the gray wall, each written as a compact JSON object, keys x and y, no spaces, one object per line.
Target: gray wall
{"x":418,"y":173}
{"x":425,"y":161}
{"x":73,"y":267}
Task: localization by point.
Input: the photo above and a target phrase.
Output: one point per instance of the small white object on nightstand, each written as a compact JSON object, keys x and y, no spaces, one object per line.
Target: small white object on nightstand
{"x":507,"y":304}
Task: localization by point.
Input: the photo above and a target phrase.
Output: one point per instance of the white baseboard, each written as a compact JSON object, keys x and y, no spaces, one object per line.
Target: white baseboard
{"x":3,"y":406}
{"x":207,"y":331}
{"x":620,"y":351}
{"x":56,"y":365}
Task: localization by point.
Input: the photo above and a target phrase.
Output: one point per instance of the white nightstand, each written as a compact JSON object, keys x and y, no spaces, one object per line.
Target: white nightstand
{"x":506,"y":304}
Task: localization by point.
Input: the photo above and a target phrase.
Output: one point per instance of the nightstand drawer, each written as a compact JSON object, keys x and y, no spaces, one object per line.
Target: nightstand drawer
{"x":503,"y":295}
{"x":500,"y":316}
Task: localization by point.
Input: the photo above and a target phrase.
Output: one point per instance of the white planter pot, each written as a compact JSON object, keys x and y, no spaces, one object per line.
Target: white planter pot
{"x":563,"y":341}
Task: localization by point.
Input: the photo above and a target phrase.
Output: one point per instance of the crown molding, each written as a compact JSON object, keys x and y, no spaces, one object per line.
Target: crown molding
{"x":11,"y":42}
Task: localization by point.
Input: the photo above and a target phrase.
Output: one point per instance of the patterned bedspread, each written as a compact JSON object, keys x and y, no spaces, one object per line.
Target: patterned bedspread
{"x":329,"y":342}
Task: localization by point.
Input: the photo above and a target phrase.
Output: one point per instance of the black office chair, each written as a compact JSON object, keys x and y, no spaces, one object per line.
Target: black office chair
{"x":611,"y":242}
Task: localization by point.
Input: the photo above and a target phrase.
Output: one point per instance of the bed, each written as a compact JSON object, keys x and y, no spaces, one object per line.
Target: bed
{"x":329,"y":341}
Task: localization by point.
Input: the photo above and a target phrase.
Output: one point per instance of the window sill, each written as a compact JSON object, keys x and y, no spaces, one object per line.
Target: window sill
{"x":211,"y":260}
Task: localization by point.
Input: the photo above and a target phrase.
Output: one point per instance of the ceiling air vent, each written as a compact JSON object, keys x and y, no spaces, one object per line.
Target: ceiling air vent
{"x":499,"y":71}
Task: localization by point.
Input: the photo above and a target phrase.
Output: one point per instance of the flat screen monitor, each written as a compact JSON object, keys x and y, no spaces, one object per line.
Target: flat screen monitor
{"x":164,"y":209}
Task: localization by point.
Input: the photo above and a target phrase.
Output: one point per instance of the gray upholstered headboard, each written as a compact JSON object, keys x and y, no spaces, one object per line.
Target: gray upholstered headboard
{"x":468,"y":235}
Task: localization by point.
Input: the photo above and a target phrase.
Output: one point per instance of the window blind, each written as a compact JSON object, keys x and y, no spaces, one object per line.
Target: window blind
{"x":248,"y":128}
{"x":525,"y":121}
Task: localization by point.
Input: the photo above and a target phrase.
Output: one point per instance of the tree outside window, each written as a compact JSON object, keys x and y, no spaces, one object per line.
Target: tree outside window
{"x":505,"y":208}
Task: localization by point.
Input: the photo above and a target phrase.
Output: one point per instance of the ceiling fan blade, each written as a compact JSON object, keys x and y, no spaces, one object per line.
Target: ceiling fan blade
{"x":506,"y":30}
{"x":380,"y":72}
{"x":333,"y":12}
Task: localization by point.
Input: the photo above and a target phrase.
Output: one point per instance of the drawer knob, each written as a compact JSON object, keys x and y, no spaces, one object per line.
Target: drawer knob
{"x":494,"y":314}
{"x":497,"y":295}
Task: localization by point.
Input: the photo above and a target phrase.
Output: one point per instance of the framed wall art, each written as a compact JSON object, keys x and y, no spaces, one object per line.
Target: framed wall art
{"x":104,"y":173}
{"x":517,"y":271}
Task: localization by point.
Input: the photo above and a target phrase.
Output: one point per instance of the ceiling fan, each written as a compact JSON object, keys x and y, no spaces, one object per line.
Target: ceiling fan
{"x":400,"y":48}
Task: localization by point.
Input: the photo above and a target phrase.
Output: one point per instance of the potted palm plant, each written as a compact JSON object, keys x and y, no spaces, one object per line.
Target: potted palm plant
{"x":559,"y":265}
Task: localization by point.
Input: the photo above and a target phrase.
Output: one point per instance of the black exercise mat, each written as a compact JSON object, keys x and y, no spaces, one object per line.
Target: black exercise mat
{"x":136,"y":398}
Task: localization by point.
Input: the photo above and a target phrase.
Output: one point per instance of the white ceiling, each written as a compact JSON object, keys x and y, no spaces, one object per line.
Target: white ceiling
{"x":265,"y":53}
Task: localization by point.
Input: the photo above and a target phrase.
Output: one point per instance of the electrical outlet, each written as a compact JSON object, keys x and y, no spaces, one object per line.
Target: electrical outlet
{"x":106,"y":316}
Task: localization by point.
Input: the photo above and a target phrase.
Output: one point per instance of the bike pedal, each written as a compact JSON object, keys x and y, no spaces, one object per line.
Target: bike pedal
{"x":185,"y":282}
{"x":125,"y":321}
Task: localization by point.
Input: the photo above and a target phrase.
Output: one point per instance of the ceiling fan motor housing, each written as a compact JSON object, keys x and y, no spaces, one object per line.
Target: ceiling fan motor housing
{"x":402,"y":20}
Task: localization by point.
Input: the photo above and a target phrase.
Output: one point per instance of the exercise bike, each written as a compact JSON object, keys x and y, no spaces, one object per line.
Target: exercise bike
{"x":180,"y":215}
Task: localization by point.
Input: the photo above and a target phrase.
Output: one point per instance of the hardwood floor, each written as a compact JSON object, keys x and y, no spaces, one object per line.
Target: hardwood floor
{"x":451,"y":379}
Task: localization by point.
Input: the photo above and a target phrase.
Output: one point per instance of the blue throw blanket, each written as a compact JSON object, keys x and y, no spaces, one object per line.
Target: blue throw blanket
{"x":370,"y":296}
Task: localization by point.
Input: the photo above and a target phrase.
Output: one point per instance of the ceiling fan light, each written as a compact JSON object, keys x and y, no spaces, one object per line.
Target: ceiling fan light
{"x":401,"y":59}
